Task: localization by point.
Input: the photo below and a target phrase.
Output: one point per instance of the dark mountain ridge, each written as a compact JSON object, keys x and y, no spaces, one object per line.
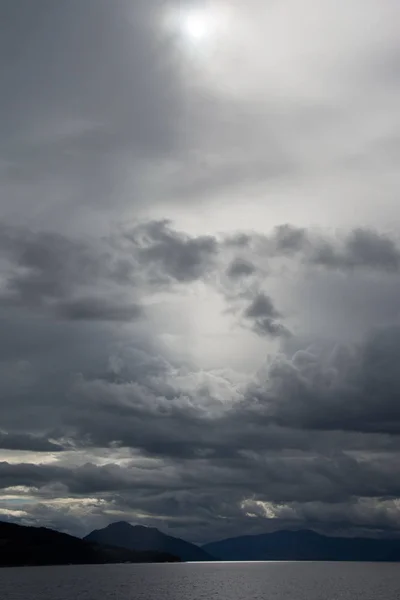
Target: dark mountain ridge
{"x":140,"y":538}
{"x":304,"y":545}
{"x":34,"y":546}
{"x":122,"y":542}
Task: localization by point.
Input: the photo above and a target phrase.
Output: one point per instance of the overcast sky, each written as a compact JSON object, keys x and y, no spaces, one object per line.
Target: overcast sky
{"x":200,"y":265}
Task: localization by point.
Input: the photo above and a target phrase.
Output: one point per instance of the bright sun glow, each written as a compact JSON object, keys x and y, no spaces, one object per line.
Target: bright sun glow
{"x":197,"y":25}
{"x":199,"y":31}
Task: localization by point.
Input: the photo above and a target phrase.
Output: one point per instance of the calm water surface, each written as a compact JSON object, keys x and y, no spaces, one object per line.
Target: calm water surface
{"x":232,"y":581}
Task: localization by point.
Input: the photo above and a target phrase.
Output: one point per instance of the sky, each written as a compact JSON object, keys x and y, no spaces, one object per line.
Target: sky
{"x":200,"y":265}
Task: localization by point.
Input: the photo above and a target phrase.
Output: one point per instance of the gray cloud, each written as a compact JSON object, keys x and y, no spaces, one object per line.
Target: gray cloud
{"x":289,"y":240}
{"x":360,"y":249}
{"x":75,"y":128}
{"x":44,"y":269}
{"x":348,"y":389}
{"x":240,"y":268}
{"x":94,"y":309}
{"x":301,"y":480}
{"x":85,"y":479}
{"x":261,"y":306}
{"x":51,"y":271}
{"x":172,"y":254}
{"x":264,"y":315}
{"x":348,"y":392}
{"x":26,"y":442}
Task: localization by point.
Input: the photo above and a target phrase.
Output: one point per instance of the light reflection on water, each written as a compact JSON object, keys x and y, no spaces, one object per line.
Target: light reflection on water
{"x":205,"y":581}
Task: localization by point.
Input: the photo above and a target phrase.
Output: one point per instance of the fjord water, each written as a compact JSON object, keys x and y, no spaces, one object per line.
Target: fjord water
{"x":204,"y":581}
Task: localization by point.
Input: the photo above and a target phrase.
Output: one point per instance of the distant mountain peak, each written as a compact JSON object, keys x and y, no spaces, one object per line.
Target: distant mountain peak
{"x":304,"y":544}
{"x":142,"y":538}
{"x":22,"y":545}
{"x":126,"y":525}
{"x":118,"y":524}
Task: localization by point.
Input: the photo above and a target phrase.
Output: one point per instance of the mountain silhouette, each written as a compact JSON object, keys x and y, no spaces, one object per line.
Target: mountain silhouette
{"x":140,"y":538}
{"x":33,"y":546}
{"x":304,"y":545}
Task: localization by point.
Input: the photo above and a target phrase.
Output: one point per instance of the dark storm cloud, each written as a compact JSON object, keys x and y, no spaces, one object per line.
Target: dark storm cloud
{"x":95,"y":309}
{"x":26,"y":442}
{"x":360,"y":249}
{"x":85,"y":479}
{"x":307,"y":391}
{"x":84,"y":282}
{"x":264,"y":315}
{"x":240,"y":268}
{"x":172,"y":254}
{"x":43,"y":266}
{"x":289,"y":240}
{"x":90,"y":281}
{"x":270,"y":478}
{"x":51,"y":271}
{"x":262,"y":306}
{"x":69,"y":279}
{"x":353,"y":389}
{"x":349,"y":391}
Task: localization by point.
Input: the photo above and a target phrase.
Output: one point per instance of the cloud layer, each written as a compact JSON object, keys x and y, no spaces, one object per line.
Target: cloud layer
{"x":199,"y":267}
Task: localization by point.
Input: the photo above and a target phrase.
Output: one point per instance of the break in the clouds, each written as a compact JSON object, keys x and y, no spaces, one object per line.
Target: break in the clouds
{"x":199,"y":265}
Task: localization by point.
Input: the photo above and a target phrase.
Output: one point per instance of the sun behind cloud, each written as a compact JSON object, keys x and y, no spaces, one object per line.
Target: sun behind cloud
{"x":197,"y":25}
